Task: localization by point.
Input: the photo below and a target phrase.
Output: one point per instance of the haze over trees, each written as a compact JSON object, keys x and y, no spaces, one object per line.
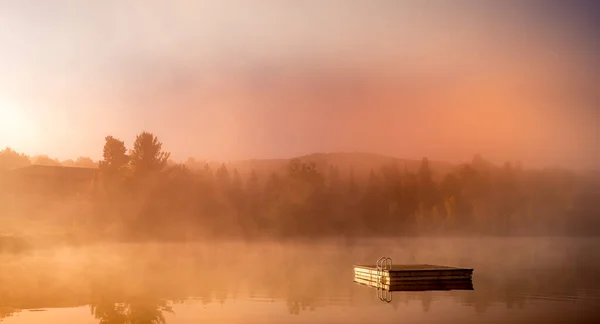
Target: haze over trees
{"x":44,"y":160}
{"x":84,"y":162}
{"x":10,"y":159}
{"x":137,"y":194}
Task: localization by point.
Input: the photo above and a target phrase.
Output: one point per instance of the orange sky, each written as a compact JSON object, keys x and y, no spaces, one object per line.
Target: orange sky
{"x":229,"y":80}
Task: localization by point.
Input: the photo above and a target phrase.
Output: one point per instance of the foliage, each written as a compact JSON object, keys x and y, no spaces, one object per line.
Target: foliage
{"x":114,"y":155}
{"x":306,"y":199}
{"x":147,"y":155}
{"x":9,"y":159}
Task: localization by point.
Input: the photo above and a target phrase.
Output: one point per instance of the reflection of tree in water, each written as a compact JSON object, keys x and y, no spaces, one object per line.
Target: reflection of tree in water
{"x":304,"y":296}
{"x":295,"y":306}
{"x":7,"y":312}
{"x":137,"y":311}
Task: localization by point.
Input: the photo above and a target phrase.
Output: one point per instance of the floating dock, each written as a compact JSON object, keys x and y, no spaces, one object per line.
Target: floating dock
{"x":413,"y":277}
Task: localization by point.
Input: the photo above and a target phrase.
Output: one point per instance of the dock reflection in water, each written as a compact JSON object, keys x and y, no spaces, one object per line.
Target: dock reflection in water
{"x":385,"y":292}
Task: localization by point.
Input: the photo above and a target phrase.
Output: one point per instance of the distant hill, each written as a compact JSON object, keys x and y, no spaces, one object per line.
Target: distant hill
{"x":361,"y":163}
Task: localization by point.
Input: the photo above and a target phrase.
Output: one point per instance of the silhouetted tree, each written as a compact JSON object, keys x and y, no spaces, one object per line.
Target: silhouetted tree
{"x":114,"y":155}
{"x":334,"y":180}
{"x":222,"y":176}
{"x":252,"y":185}
{"x":236,"y":180}
{"x":352,"y":188}
{"x":427,"y":188}
{"x":207,"y":171}
{"x":273,"y":187}
{"x":147,"y":155}
{"x":236,"y":191}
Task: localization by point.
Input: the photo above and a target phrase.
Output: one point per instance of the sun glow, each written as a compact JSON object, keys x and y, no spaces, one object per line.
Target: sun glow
{"x":15,"y":125}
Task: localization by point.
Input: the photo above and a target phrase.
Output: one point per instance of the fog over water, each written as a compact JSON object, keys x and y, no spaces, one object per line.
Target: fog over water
{"x":180,"y":161}
{"x":516,"y":280}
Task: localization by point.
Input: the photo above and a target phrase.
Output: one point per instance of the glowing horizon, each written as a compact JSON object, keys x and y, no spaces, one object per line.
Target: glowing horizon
{"x":228,"y":80}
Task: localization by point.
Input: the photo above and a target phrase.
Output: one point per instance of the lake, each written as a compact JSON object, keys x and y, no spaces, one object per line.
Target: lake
{"x":516,"y":280}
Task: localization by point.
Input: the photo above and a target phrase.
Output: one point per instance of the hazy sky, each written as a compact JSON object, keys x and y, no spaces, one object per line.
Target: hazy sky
{"x":249,"y":79}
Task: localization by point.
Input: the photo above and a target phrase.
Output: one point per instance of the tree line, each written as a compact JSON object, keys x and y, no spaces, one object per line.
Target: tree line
{"x":10,"y":159}
{"x":140,"y":195}
{"x":307,"y":200}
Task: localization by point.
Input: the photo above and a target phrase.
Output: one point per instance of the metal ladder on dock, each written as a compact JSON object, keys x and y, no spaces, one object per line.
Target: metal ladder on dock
{"x":383,"y":264}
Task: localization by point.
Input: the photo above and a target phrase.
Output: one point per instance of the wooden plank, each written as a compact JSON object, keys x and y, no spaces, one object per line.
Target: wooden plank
{"x":413,"y":267}
{"x":461,"y":282}
{"x":386,"y":279}
{"x":414,"y":270}
{"x":412,"y":273}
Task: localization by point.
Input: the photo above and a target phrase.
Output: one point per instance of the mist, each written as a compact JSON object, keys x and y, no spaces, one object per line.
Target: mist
{"x":145,"y":276}
{"x":185,"y":161}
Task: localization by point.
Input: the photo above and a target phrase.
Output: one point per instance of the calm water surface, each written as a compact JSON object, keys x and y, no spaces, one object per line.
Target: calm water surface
{"x":516,"y":280}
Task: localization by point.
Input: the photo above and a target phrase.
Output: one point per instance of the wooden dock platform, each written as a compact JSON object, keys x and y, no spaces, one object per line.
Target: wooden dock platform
{"x":413,"y":277}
